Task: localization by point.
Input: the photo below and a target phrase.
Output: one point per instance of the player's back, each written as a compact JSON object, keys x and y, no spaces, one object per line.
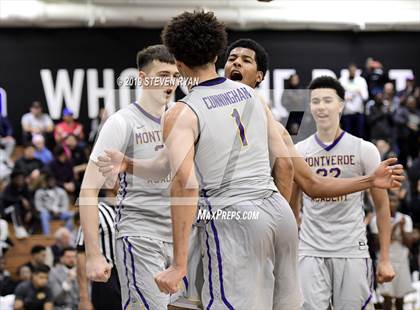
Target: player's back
{"x":334,"y":227}
{"x":232,"y":158}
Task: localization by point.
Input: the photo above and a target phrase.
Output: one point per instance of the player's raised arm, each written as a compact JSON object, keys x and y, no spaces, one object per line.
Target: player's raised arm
{"x":387,"y":175}
{"x":179,"y":134}
{"x":282,"y":169}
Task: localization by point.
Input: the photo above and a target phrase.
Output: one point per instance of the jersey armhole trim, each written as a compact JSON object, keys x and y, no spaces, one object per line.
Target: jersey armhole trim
{"x":197,"y":140}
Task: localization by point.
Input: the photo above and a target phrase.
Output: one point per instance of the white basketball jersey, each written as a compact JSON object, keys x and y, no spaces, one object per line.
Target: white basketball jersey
{"x":334,"y":227}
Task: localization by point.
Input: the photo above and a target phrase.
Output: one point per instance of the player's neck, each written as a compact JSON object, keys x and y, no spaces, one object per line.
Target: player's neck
{"x":203,"y":74}
{"x":150,"y":106}
{"x":328,"y":135}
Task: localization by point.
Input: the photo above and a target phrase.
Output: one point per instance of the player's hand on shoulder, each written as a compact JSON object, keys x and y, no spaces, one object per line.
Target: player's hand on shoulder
{"x":385,"y":272}
{"x":97,"y":268}
{"x":111,"y":163}
{"x":388,"y":174}
{"x":169,"y":280}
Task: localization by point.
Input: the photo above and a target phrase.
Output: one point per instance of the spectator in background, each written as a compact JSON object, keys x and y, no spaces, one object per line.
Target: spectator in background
{"x":417,"y":93}
{"x":96,"y":125}
{"x":375,"y":77}
{"x":18,"y":207}
{"x":62,"y":168}
{"x":391,"y":101}
{"x":384,"y":148}
{"x":353,"y":118}
{"x":402,"y":227}
{"x":76,"y":152}
{"x":30,"y":166}
{"x":379,"y":119}
{"x":41,"y":151}
{"x":63,"y":239}
{"x":410,"y":86}
{"x":415,"y":204}
{"x":23,"y":274}
{"x":62,"y":281}
{"x":78,"y":156}
{"x":36,"y":122}
{"x":34,"y":294}
{"x":5,"y":242}
{"x":38,"y":257}
{"x":407,"y":124}
{"x":414,"y":174}
{"x":6,"y":168}
{"x":7,"y":142}
{"x":7,"y":285}
{"x":52,"y":201}
{"x":68,"y":127}
{"x":294,"y":101}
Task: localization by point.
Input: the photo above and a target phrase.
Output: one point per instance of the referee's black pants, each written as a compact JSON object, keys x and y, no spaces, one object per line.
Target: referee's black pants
{"x":107,"y":296}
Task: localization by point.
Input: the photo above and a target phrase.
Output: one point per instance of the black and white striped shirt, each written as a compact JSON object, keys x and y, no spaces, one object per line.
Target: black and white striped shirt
{"x":106,"y":233}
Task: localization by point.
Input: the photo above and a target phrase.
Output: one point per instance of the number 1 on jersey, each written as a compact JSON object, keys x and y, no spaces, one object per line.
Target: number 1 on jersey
{"x":241,"y":128}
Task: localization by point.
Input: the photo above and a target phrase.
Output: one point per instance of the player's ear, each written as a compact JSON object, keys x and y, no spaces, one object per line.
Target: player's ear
{"x":215,"y":59}
{"x":142,"y":75}
{"x":341,"y":106}
{"x":179,"y":65}
{"x":260,"y":77}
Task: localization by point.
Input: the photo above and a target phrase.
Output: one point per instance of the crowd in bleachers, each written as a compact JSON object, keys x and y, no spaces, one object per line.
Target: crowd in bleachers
{"x":39,"y":182}
{"x":43,"y":182}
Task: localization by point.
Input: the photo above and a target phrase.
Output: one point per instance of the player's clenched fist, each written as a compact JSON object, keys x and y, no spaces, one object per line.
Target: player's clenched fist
{"x":97,"y":268}
{"x":385,"y":272}
{"x":168,"y":280}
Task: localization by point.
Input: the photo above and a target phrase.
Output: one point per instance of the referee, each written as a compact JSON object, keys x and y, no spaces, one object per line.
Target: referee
{"x":104,"y":295}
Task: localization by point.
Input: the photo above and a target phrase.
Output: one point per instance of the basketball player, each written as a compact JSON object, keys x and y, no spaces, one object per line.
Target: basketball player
{"x":334,"y":264}
{"x":209,"y":132}
{"x":143,"y":225}
{"x":247,"y":62}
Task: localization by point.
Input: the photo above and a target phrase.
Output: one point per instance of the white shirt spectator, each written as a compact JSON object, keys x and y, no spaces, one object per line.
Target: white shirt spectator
{"x":356,"y":93}
{"x":397,"y":251}
{"x":52,"y":199}
{"x":39,"y":124}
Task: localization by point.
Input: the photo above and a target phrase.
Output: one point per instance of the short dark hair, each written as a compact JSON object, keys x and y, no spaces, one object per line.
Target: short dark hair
{"x":67,"y":249}
{"x":157,"y":52}
{"x":37,"y":249}
{"x":195,"y":38}
{"x":28,"y":144}
{"x":261,"y":56}
{"x":41,"y":269}
{"x":36,"y":104}
{"x":17,"y":173}
{"x":59,"y":150}
{"x":327,"y":82}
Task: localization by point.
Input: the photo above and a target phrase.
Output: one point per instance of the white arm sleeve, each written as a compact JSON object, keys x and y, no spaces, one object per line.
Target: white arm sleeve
{"x":364,"y":89}
{"x":373,"y":226}
{"x":370,"y":157}
{"x":113,"y":135}
{"x":408,"y":225}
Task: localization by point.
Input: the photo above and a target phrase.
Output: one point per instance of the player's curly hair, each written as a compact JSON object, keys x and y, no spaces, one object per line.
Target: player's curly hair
{"x":195,"y":38}
{"x":327,"y":82}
